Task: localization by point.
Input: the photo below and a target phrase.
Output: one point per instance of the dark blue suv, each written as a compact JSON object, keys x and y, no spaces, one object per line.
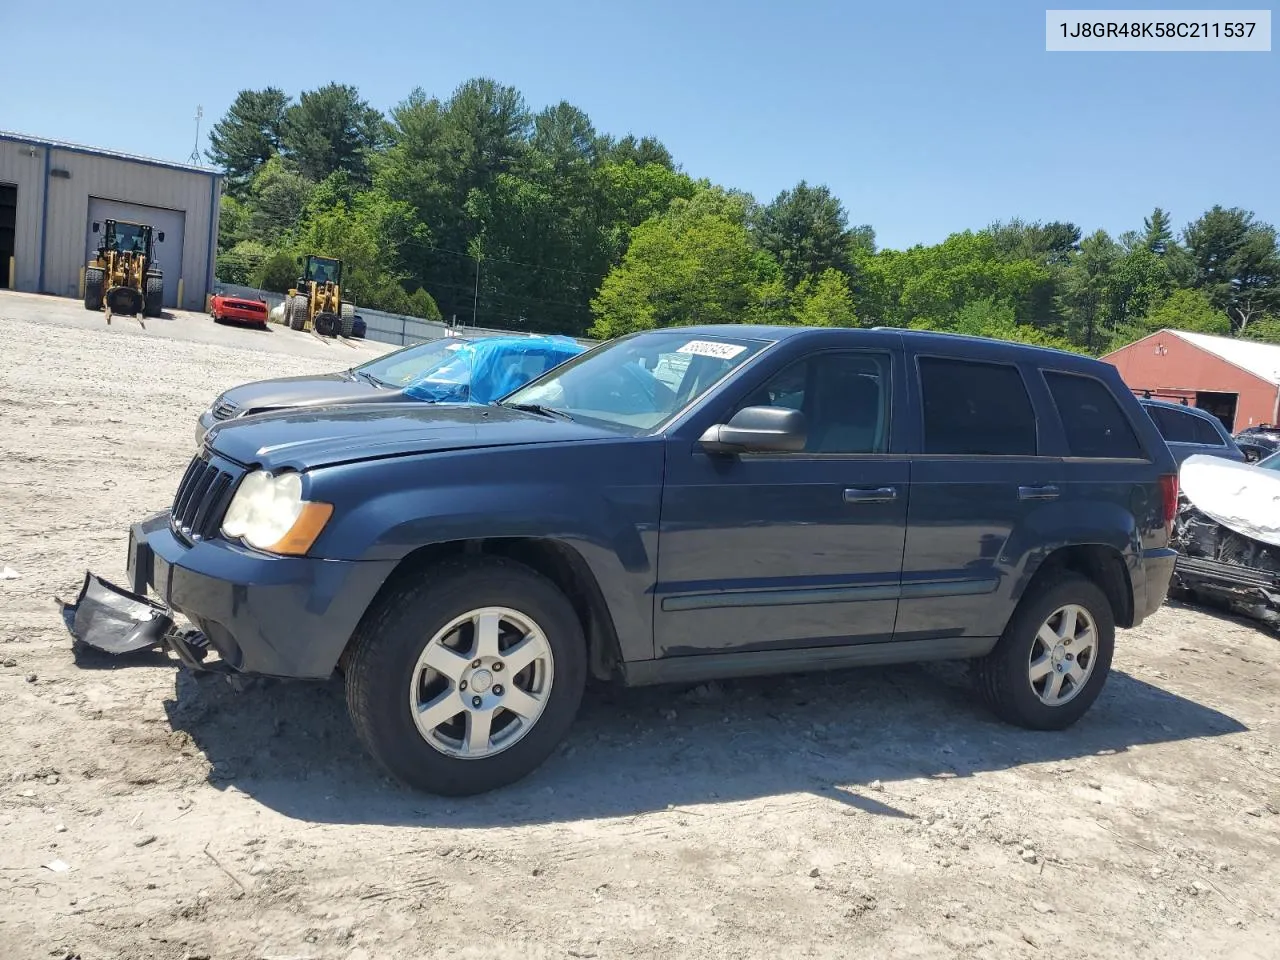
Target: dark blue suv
{"x":677,"y":505}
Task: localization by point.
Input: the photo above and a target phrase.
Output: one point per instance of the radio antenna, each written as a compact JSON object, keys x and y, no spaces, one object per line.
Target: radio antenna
{"x":195,"y":149}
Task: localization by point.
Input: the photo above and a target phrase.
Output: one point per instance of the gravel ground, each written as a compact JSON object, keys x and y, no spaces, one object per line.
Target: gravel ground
{"x":877,"y":812}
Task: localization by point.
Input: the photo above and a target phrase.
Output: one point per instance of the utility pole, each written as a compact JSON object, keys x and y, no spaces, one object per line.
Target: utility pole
{"x":475,"y":298}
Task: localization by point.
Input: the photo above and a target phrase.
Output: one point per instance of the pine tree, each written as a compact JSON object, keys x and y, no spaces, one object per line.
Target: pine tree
{"x":1157,"y":233}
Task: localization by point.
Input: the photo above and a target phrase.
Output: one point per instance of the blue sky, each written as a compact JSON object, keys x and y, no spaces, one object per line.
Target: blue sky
{"x":925,"y":118}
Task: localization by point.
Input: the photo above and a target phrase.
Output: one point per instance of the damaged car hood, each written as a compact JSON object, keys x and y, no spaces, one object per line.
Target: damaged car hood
{"x":1242,"y":497}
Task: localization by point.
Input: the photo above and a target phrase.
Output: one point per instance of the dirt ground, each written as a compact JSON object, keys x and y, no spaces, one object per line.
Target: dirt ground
{"x":877,"y":812}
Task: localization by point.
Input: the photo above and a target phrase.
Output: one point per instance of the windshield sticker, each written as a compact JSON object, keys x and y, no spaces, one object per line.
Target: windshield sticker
{"x":709,"y":348}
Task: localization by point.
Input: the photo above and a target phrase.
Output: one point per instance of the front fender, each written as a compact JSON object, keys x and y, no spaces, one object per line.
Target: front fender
{"x":601,"y":499}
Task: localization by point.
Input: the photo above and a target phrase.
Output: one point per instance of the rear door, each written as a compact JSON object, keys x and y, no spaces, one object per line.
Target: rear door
{"x":978,"y":477}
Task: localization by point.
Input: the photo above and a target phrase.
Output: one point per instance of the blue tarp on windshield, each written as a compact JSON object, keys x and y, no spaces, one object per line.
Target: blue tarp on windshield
{"x":485,"y":370}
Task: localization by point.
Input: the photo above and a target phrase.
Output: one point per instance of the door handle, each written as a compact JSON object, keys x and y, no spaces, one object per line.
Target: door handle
{"x":870,"y":494}
{"x":1046,"y":492}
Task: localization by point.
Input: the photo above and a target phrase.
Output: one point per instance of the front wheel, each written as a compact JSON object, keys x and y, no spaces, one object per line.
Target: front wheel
{"x":1053,"y":658}
{"x":466,"y":679}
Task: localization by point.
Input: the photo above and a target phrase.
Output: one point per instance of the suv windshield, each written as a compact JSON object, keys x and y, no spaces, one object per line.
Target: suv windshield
{"x":639,"y":381}
{"x":402,"y":367}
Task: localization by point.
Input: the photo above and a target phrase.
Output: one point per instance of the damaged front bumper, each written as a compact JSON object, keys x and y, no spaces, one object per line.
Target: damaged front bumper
{"x":1219,"y":564}
{"x":113,"y":620}
{"x":269,"y":615}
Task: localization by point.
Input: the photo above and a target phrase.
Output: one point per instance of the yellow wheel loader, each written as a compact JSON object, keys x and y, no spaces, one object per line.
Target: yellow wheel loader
{"x":123,"y":275}
{"x":316,"y":302}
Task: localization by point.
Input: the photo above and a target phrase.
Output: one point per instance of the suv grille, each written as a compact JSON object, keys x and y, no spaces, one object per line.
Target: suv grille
{"x":202,"y":498}
{"x":223,"y":409}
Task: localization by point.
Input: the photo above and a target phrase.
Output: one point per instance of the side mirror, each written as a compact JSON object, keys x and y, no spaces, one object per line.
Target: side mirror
{"x":96,"y":226}
{"x":299,"y":259}
{"x":758,"y":430}
{"x":160,"y":237}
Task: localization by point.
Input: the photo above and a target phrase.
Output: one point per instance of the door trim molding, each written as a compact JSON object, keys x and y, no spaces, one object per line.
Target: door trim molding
{"x":697,"y":668}
{"x":840,"y":593}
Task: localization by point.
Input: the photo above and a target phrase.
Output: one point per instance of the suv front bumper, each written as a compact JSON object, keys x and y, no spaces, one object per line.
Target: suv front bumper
{"x":277,"y":616}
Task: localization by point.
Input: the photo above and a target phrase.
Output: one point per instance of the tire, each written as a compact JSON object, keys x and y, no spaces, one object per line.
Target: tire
{"x":1004,"y":676}
{"x":153,"y":301}
{"x":327,"y":324}
{"x":296,"y":312}
{"x":94,"y":278}
{"x":382,"y":673}
{"x":346,"y":319}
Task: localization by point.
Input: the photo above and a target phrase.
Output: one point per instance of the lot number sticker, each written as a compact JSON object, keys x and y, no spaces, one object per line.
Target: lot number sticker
{"x":709,"y":348}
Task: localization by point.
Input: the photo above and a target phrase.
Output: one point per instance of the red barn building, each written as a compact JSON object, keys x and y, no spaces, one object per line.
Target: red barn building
{"x":1236,"y":380}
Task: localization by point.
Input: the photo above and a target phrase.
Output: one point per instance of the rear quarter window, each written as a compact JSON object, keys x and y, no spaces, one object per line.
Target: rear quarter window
{"x":1094,"y":423}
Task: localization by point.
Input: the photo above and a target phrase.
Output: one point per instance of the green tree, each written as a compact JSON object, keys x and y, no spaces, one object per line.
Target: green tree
{"x":1050,"y":243}
{"x":1138,"y":279}
{"x":806,"y":230}
{"x":278,"y":272}
{"x":234,"y":218}
{"x":332,"y":129}
{"x":1236,"y":263}
{"x":248,"y":135}
{"x":277,"y":199}
{"x":931,"y":284}
{"x":825,"y":300}
{"x":995,"y":319}
{"x":1188,"y":310}
{"x":241,"y":263}
{"x":643,"y":152}
{"x":1086,"y":290}
{"x":1157,"y":232}
{"x":694,"y":264}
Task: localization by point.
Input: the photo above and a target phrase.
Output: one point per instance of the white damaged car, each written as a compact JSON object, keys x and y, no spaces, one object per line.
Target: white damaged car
{"x":1227,"y":533}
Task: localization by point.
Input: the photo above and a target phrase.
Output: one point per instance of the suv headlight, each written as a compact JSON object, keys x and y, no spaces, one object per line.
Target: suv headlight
{"x":268,"y":513}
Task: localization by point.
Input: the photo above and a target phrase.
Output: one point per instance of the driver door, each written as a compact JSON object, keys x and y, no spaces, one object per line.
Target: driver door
{"x":771,"y":551}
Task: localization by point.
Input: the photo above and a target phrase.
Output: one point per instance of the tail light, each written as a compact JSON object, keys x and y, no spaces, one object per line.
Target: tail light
{"x":1169,"y":499}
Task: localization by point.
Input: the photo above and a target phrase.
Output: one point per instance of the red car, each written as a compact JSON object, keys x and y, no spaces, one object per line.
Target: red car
{"x":238,"y":309}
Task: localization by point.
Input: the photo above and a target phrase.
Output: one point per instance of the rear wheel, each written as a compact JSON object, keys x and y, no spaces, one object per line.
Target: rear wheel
{"x":296,"y":309}
{"x":1052,"y":660}
{"x":466,"y":679}
{"x":94,"y":278}
{"x":153,"y":303}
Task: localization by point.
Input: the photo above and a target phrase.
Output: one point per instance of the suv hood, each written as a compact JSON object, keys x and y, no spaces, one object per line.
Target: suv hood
{"x":305,"y":391}
{"x":301,"y":440}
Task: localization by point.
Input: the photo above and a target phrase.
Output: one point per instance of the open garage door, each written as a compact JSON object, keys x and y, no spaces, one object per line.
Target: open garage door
{"x":169,"y":253}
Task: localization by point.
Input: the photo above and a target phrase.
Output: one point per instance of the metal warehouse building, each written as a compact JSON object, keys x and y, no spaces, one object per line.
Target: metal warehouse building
{"x":1237,"y":381}
{"x":51,"y":193}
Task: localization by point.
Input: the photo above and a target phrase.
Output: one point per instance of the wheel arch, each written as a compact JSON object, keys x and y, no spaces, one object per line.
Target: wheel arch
{"x":554,"y":559}
{"x":1101,"y":563}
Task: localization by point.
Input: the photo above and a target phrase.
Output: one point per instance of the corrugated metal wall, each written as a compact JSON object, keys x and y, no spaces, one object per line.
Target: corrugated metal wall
{"x":22,"y":164}
{"x":75,"y":175}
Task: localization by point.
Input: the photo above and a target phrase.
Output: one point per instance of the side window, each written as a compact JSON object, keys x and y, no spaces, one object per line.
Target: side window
{"x":1204,"y":433}
{"x":843,"y":396}
{"x":1093,"y":421}
{"x":1175,"y":427}
{"x":976,"y":408}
